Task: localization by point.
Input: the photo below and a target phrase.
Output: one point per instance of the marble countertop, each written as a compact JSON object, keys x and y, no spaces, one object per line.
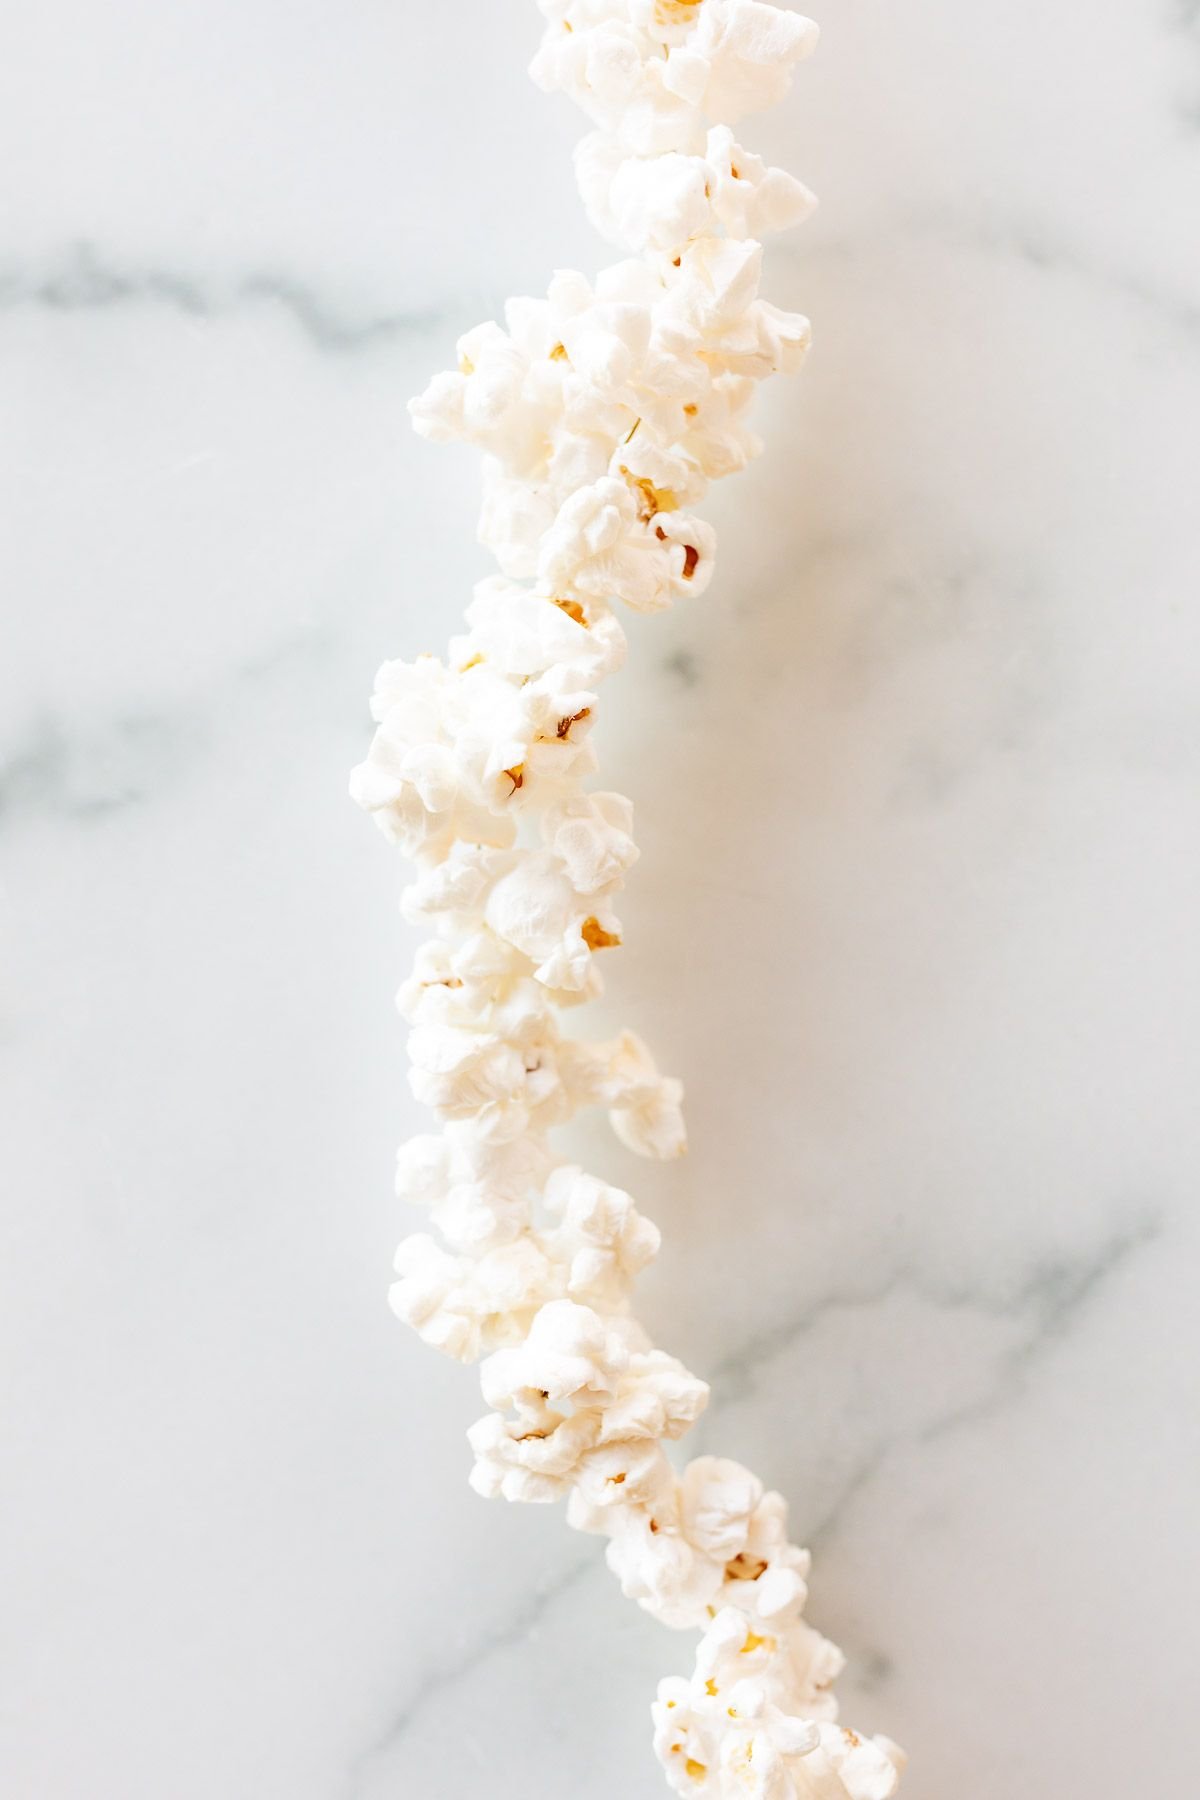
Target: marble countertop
{"x":915,"y":920}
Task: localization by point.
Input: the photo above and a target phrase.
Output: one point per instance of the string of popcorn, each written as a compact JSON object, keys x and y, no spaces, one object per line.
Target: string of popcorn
{"x":603,"y":412}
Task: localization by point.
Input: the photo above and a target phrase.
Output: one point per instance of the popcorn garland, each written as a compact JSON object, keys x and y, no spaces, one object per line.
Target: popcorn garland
{"x":603,"y":412}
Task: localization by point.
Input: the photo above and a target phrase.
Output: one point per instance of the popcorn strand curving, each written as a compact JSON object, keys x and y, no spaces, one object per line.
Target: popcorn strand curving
{"x":603,"y":411}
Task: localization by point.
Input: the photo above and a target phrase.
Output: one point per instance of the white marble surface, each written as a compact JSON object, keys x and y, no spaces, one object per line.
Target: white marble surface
{"x":916,"y":916}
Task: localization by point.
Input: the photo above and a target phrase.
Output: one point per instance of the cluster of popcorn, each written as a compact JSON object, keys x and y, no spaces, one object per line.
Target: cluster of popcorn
{"x":603,"y":411}
{"x":758,"y":1718}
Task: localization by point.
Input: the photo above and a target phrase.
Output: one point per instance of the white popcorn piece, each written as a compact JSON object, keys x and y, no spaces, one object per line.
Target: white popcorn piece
{"x":751,"y":50}
{"x":421,"y":793}
{"x":569,"y":1355}
{"x":644,"y":202}
{"x":717,"y":1500}
{"x":661,"y":203}
{"x":749,"y":198}
{"x":603,"y":546}
{"x":537,"y":910}
{"x":734,"y":1742}
{"x":744,"y":1725}
{"x":503,"y":1088}
{"x":516,"y":513}
{"x":523,"y":633}
{"x":845,"y":1764}
{"x":602,"y":409}
{"x":663,"y":479}
{"x":528,"y":1460}
{"x":767,"y":1578}
{"x":479,"y":1195}
{"x":610,"y":70}
{"x":658,"y":1398}
{"x":470,"y":1305}
{"x":761,"y":1743}
{"x":716,"y":437}
{"x":591,"y":838}
{"x":479,"y":399}
{"x":601,"y":1240}
{"x":650,"y":72}
{"x":711,"y":1539}
{"x":645,"y":1108}
{"x":651,"y":1557}
{"x":590,"y":1412}
{"x":455,"y":890}
{"x":795,"y":1666}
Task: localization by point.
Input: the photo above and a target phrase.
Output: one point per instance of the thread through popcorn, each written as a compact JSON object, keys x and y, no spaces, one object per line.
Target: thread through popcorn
{"x":603,"y":411}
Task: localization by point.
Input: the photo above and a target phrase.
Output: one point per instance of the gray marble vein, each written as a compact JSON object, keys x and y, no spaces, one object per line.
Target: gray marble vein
{"x":457,"y":1670}
{"x":1047,"y":1304}
{"x":83,"y":772}
{"x":84,"y":280}
{"x":1013,"y":238}
{"x":82,"y":777}
{"x":1044,"y":1300}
